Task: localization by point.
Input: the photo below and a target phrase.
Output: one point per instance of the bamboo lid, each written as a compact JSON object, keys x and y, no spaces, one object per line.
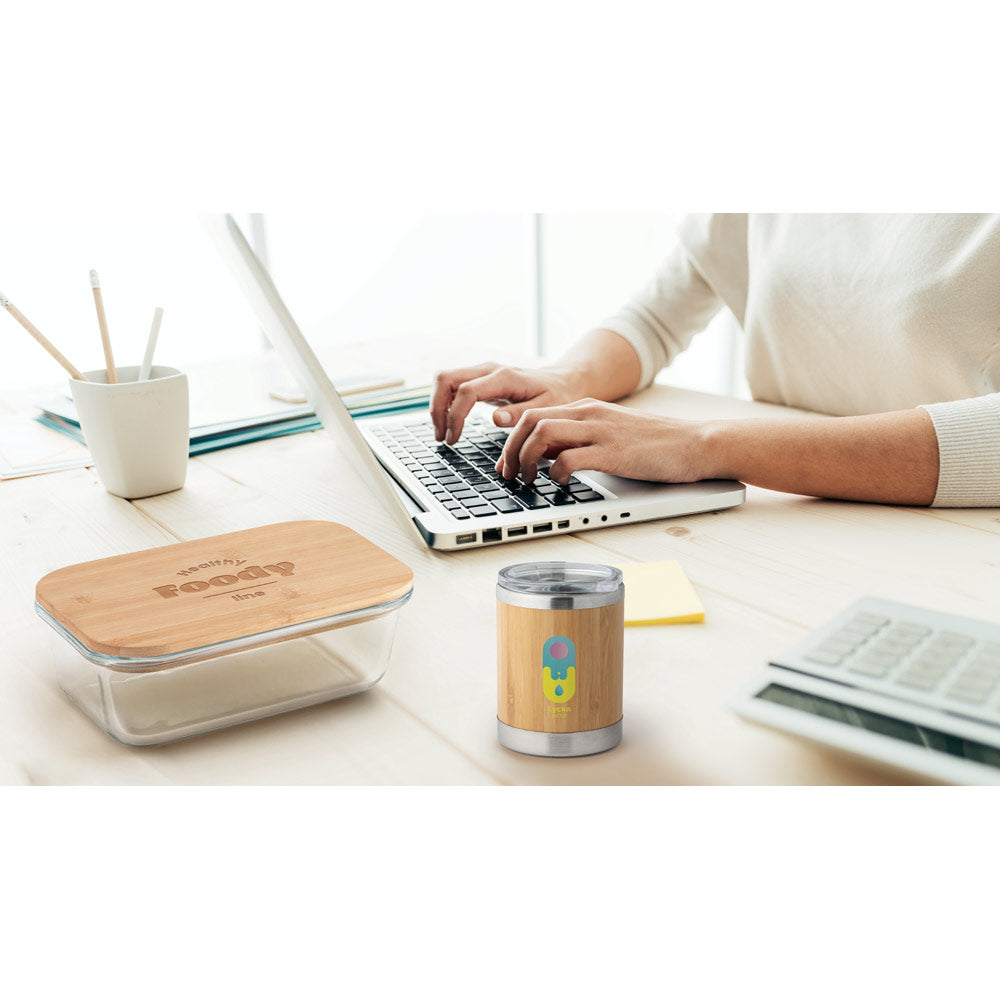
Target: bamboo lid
{"x":212,"y":590}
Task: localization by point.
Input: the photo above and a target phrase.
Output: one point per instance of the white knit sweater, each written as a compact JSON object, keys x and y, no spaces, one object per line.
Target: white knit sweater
{"x":848,"y":314}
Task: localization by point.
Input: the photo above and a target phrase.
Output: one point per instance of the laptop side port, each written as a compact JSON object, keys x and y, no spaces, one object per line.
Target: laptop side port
{"x":515,"y":532}
{"x":465,"y":539}
{"x":492,"y":534}
{"x":563,"y":524}
{"x":535,"y":528}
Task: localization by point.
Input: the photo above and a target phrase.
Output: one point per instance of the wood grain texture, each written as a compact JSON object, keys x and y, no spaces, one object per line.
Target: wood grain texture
{"x":679,"y":679}
{"x":766,"y":572}
{"x":197,"y":593}
{"x":598,"y":635}
{"x":48,"y":521}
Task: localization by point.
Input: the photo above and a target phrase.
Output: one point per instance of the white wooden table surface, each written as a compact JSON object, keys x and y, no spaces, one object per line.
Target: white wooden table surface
{"x":766,"y":572}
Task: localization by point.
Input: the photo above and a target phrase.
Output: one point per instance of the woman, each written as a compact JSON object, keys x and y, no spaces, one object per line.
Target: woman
{"x":889,"y":323}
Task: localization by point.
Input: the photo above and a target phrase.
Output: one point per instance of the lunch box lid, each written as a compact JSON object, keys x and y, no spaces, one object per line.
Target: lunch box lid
{"x":216,"y":592}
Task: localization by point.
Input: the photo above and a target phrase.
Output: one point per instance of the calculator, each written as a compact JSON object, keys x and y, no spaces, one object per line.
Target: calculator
{"x":914,"y":689}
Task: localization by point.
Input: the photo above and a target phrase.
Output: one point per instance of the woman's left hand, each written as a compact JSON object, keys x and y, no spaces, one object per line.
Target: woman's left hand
{"x":603,"y":437}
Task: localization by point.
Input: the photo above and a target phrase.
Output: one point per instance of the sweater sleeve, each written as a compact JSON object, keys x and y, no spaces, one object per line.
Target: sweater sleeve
{"x":968,"y":434}
{"x":708,"y":269}
{"x":661,"y":319}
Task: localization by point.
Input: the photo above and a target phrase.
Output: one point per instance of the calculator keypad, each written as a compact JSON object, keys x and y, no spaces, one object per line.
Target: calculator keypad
{"x":943,"y":667}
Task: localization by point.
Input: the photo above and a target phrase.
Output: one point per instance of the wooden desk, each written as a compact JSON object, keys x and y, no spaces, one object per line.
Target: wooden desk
{"x":766,"y":573}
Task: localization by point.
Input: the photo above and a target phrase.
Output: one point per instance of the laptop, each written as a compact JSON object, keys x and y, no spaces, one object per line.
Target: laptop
{"x":452,"y":495}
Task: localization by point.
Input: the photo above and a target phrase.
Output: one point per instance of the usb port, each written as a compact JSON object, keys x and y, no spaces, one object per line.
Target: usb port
{"x":465,"y":539}
{"x":563,"y":524}
{"x":541,"y":527}
{"x":514,"y":532}
{"x":492,"y":535}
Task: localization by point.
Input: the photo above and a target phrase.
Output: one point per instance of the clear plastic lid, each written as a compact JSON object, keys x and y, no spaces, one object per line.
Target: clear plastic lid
{"x":578,"y":584}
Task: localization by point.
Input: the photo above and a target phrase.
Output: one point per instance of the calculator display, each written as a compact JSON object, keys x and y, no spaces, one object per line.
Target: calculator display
{"x":885,"y":725}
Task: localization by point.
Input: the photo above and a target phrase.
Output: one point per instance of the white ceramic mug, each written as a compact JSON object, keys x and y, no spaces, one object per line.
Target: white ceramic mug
{"x":138,"y":433}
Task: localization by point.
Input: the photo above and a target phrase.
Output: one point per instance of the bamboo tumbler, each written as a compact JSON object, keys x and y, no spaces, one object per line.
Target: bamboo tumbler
{"x":560,"y":645}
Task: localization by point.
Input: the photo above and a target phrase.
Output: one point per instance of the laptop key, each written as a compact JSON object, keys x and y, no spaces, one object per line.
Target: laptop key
{"x":482,"y":511}
{"x":560,"y":500}
{"x":506,"y":505}
{"x":587,"y":496}
{"x":461,"y":514}
{"x":530,"y":500}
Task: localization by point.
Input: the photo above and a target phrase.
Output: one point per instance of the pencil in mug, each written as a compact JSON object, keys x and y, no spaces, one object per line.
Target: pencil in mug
{"x":95,"y":284}
{"x":39,"y":336}
{"x":154,"y":332}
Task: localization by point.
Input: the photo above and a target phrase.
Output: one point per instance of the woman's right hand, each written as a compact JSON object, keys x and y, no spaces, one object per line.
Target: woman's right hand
{"x":515,"y":389}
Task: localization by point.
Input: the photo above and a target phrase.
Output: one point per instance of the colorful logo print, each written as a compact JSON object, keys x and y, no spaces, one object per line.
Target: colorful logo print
{"x":559,"y":669}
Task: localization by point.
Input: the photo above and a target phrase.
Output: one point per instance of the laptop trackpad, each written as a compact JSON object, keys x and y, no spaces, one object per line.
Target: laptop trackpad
{"x":639,"y":489}
{"x":615,"y":487}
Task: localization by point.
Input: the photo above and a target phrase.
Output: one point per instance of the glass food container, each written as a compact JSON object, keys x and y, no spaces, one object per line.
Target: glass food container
{"x":171,"y":642}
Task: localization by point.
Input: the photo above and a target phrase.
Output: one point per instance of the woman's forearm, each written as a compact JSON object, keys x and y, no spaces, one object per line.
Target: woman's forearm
{"x":601,"y":365}
{"x":882,"y":458}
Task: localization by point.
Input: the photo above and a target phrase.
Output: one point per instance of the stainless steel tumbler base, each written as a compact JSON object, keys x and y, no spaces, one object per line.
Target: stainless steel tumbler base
{"x":560,"y":744}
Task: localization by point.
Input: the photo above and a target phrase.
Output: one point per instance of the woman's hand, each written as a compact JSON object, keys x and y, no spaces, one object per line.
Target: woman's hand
{"x":602,"y":364}
{"x":516,"y":389}
{"x":880,"y":458}
{"x":603,"y":437}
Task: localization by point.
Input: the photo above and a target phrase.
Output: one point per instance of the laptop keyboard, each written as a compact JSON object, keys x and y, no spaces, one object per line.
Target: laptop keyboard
{"x":463,"y":476}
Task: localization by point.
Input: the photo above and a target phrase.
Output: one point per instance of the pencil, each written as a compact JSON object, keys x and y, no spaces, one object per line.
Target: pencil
{"x":39,"y":336}
{"x":109,"y":360}
{"x":154,"y":331}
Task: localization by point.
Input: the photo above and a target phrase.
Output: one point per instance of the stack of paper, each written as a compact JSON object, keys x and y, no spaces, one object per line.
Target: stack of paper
{"x":29,"y":450}
{"x":60,"y":414}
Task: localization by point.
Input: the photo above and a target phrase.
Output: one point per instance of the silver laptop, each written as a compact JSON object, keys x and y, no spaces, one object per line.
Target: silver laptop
{"x":452,"y":495}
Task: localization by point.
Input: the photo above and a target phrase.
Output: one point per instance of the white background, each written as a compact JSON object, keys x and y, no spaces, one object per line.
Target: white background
{"x":471,"y":279}
{"x":640,"y":108}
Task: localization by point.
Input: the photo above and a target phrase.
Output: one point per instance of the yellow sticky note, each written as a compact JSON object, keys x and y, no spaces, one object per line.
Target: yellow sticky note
{"x":659,"y":594}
